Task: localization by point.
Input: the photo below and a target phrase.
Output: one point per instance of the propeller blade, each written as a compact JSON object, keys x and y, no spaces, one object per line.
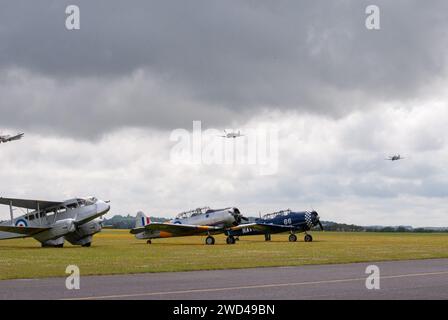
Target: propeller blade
{"x":320,"y":225}
{"x":238,"y":216}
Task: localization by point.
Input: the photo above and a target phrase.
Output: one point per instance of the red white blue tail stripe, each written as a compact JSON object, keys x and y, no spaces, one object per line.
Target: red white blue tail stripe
{"x":145,"y":221}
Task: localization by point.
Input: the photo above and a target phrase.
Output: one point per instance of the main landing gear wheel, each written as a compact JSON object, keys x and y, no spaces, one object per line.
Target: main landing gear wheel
{"x":209,"y":240}
{"x":267,"y":237}
{"x":87,"y":245}
{"x":292,"y":238}
{"x":230,"y":240}
{"x":308,"y":238}
{"x":148,"y":242}
{"x":50,"y":246}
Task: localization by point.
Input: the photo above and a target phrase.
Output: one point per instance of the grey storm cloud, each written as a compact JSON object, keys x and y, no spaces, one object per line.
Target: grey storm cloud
{"x":165,"y":63}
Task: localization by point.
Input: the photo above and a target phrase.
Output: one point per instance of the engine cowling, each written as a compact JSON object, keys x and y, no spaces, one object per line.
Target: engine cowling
{"x":83,"y":234}
{"x":64,"y":226}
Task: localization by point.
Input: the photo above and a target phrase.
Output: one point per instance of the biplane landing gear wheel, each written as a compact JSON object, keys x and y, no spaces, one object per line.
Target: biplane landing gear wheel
{"x":87,"y":245}
{"x":148,"y":242}
{"x":292,"y":238}
{"x":308,"y":238}
{"x":44,"y":245}
{"x":230,"y":240}
{"x":267,"y":237}
{"x":209,"y":240}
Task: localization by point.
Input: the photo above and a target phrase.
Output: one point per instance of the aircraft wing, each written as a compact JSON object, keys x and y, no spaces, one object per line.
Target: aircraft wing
{"x":265,"y":227}
{"x":29,"y":204}
{"x":175,"y":228}
{"x":26,"y":231}
{"x":16,"y":137}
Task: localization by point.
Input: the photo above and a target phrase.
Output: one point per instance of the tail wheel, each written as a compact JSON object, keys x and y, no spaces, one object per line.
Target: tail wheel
{"x":148,"y":242}
{"x":210,"y":240}
{"x":87,"y":245}
{"x":230,"y":240}
{"x":308,"y":238}
{"x":292,"y":238}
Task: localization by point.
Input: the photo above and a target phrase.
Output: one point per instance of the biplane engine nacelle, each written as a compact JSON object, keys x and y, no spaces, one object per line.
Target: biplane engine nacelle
{"x":61,"y":228}
{"x":64,"y":226}
{"x":83,"y":234}
{"x":89,"y":229}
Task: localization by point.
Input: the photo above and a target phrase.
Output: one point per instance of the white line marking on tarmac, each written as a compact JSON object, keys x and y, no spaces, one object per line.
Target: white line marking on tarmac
{"x":147,"y":294}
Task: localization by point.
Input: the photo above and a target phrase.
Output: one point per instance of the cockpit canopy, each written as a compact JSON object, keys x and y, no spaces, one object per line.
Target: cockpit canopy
{"x":192,"y":213}
{"x":276,"y":214}
{"x":80,"y":202}
{"x":90,"y":200}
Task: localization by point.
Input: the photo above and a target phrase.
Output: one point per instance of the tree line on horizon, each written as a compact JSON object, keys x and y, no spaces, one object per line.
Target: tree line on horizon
{"x":128,"y":222}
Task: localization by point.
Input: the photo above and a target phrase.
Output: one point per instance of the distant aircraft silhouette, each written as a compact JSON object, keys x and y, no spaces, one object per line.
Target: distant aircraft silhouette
{"x":8,"y":138}
{"x":395,"y":157}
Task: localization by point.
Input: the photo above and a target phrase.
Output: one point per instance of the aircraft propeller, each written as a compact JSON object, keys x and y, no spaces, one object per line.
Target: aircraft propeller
{"x":317,"y":219}
{"x":238,"y":216}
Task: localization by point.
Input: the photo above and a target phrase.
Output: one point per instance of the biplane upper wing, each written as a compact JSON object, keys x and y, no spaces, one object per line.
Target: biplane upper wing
{"x":29,"y":204}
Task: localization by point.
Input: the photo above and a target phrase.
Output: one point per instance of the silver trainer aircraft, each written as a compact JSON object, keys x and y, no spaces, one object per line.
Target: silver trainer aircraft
{"x":201,"y":221}
{"x":51,"y":223}
{"x":8,"y":138}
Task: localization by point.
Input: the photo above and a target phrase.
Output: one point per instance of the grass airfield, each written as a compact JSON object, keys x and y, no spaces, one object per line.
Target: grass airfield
{"x":118,"y":252}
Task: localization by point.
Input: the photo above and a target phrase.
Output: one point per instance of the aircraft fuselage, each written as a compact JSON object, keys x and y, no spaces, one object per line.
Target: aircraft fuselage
{"x":73,"y":221}
{"x":296,"y":221}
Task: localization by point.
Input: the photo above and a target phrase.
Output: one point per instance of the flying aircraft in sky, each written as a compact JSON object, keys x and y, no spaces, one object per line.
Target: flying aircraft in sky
{"x":394,"y":157}
{"x":201,"y":221}
{"x":8,"y":138}
{"x":51,"y":223}
{"x":278,"y":222}
{"x":232,"y":134}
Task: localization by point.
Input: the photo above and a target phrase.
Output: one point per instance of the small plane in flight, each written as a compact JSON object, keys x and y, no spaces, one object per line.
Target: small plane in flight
{"x":8,"y":138}
{"x":232,"y":134}
{"x":278,"y":222}
{"x":395,"y":157}
{"x":201,"y":221}
{"x":51,"y":223}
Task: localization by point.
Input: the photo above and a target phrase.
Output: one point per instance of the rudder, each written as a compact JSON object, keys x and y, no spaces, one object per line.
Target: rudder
{"x":141,"y":220}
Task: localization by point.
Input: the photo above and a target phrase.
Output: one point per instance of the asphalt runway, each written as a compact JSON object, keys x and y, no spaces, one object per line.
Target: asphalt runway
{"x":417,"y":279}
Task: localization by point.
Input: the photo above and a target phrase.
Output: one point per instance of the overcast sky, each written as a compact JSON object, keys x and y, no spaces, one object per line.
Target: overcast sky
{"x":98,"y":105}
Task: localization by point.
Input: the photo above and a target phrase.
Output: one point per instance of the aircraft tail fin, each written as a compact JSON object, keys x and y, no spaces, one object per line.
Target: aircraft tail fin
{"x":141,"y":220}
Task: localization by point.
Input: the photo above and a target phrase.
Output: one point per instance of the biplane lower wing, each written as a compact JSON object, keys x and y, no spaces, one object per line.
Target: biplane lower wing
{"x":24,"y":231}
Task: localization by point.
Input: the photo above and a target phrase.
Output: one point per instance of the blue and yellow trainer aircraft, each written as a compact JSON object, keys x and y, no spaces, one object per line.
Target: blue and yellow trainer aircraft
{"x":278,"y":222}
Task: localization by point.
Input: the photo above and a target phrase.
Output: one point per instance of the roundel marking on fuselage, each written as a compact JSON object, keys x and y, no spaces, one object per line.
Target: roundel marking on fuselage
{"x":21,"y":223}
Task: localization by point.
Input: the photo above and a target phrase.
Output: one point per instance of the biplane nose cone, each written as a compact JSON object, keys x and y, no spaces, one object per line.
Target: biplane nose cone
{"x":102,"y":207}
